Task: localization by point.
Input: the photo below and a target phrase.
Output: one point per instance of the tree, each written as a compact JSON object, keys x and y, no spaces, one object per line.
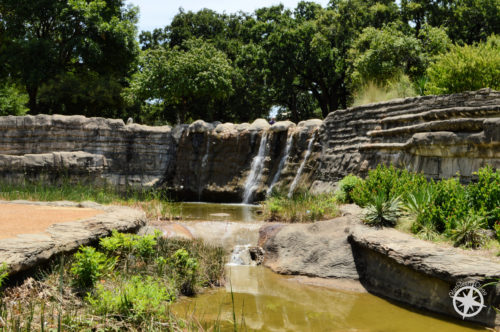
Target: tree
{"x":12,"y":99}
{"x":50,"y":38}
{"x":188,"y":82}
{"x":466,"y":68}
{"x":380,"y":55}
{"x":466,"y":21}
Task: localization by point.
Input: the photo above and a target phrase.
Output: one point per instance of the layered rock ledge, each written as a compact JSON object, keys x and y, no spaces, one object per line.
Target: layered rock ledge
{"x":387,"y":262}
{"x":27,"y":251}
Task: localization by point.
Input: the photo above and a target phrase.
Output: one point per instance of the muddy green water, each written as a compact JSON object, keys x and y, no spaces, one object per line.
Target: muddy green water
{"x":270,"y":302}
{"x":219,"y":212}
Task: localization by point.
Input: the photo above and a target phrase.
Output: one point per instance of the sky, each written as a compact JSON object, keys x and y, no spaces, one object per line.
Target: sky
{"x":159,"y":13}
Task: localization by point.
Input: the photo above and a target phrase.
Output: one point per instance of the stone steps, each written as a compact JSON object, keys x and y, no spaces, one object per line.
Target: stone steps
{"x":442,"y":114}
{"x":455,"y":125}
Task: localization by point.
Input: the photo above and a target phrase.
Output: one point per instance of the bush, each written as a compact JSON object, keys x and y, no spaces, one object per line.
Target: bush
{"x":13,"y":101}
{"x":468,"y":231}
{"x":138,"y":299}
{"x":449,"y":204}
{"x":123,"y":244}
{"x":88,"y":267}
{"x":4,"y":273}
{"x":484,"y":195}
{"x":185,"y":271}
{"x":346,"y":186}
{"x":388,"y":181}
{"x":466,"y":68}
{"x":382,"y":211}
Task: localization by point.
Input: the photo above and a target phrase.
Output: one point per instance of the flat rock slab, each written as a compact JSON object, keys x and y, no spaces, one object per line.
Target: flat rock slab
{"x":27,"y":251}
{"x":445,"y":263}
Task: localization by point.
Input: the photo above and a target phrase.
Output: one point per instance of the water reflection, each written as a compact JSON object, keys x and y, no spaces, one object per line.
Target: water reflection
{"x":219,"y":212}
{"x":270,"y":302}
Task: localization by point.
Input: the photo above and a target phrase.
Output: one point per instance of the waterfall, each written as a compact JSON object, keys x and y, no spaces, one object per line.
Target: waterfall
{"x":283,"y":160}
{"x":256,"y":170}
{"x":203,"y":165}
{"x":302,"y":165}
{"x":205,"y":157}
{"x":241,"y":256}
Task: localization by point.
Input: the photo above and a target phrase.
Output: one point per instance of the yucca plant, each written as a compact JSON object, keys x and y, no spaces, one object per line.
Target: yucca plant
{"x":382,"y":211}
{"x":468,"y":231}
{"x":416,"y":201}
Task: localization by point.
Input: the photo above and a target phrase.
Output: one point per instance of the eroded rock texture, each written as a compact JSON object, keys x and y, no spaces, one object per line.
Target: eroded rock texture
{"x":436,"y":135}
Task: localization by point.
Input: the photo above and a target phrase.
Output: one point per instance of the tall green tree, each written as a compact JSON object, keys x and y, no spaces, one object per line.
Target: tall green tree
{"x":186,"y":82}
{"x":51,"y":40}
{"x":466,"y":21}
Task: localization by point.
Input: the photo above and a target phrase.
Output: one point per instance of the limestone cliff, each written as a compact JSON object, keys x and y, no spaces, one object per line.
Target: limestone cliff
{"x":437,"y":135}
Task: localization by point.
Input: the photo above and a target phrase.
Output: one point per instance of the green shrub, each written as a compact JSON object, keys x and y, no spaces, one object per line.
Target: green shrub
{"x":497,"y":230}
{"x":123,"y":244}
{"x":449,"y":204}
{"x":468,"y":231}
{"x":382,"y":211}
{"x":466,"y":68}
{"x":4,"y":273}
{"x":185,"y":269}
{"x":346,"y":186}
{"x":138,"y":299}
{"x":13,"y":100}
{"x":484,"y":195}
{"x":388,"y":181}
{"x":89,"y":266}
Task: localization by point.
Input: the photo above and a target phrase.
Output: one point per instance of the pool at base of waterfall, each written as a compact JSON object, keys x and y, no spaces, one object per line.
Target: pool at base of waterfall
{"x":266,"y":301}
{"x":200,"y":211}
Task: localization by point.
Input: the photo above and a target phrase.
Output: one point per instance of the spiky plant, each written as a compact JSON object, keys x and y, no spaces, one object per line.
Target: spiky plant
{"x":415,"y":202}
{"x":468,"y":231}
{"x":383,"y":211}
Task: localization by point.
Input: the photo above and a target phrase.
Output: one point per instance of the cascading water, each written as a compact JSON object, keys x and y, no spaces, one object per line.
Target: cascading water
{"x":302,"y":165}
{"x":203,"y":165}
{"x":241,"y":256}
{"x":283,"y":160}
{"x":256,"y":170}
{"x":205,"y":157}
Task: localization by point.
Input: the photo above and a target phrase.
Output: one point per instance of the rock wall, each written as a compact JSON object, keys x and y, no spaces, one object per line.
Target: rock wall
{"x":387,"y":262}
{"x":72,"y":146}
{"x":436,"y":135}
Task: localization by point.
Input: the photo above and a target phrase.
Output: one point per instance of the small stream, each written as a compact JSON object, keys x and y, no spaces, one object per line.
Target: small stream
{"x":267,"y":301}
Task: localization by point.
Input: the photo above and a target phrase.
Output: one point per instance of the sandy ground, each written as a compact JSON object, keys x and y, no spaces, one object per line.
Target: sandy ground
{"x":29,"y":219}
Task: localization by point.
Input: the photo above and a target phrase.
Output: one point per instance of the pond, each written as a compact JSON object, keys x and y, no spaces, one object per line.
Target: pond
{"x":193,"y":211}
{"x":267,"y":301}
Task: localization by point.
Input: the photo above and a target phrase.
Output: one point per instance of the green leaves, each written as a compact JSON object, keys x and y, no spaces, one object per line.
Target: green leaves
{"x":382,"y":211}
{"x":466,"y":68}
{"x":89,"y":266}
{"x":180,"y":78}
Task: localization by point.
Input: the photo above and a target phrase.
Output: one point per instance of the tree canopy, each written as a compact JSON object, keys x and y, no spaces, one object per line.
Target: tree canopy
{"x":86,"y":57}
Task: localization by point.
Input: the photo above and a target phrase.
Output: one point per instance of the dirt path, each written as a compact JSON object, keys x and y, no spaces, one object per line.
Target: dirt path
{"x":28,"y":219}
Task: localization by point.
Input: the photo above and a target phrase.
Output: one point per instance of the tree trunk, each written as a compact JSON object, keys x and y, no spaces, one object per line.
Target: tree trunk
{"x":32,"y":103}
